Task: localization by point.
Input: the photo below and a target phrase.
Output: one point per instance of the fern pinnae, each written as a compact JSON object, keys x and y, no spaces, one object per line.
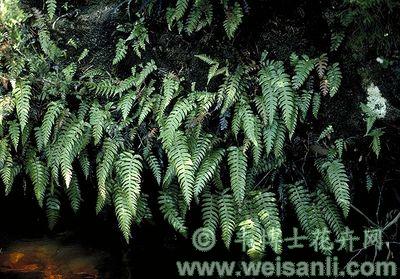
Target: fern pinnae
{"x":237,"y":162}
{"x":209,"y":211}
{"x":128,"y":169}
{"x":22,"y":95}
{"x":180,"y":157}
{"x":170,"y":211}
{"x":39,"y":176}
{"x":227,"y":217}
{"x":207,"y":170}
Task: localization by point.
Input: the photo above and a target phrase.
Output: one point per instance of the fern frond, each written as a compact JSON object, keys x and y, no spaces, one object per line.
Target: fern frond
{"x":74,"y":194}
{"x":207,"y":170}
{"x":252,"y":236}
{"x":179,"y":156}
{"x":233,"y":19}
{"x":51,"y":6}
{"x":128,"y":169}
{"x":22,"y":94}
{"x":15,"y":133}
{"x":302,"y":70}
{"x":53,"y":210}
{"x":330,"y":212}
{"x":209,"y":211}
{"x":39,"y":175}
{"x":120,"y":51}
{"x":334,"y":78}
{"x":326,"y":132}
{"x":227,"y":217}
{"x":153,"y":164}
{"x":338,"y":182}
{"x":237,"y":162}
{"x":104,"y":168}
{"x":268,"y":212}
{"x":123,"y":211}
{"x":54,"y":110}
{"x":170,"y":211}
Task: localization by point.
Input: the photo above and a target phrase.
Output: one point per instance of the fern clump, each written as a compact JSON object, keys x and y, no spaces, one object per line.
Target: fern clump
{"x":233,"y":145}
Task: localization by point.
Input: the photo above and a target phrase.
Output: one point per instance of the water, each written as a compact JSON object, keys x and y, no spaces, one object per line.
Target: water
{"x":50,"y":259}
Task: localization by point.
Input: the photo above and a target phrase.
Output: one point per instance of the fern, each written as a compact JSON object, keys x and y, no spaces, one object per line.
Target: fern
{"x":326,"y":132}
{"x":180,"y":9}
{"x":308,"y":215}
{"x":123,"y":211}
{"x":237,"y":162}
{"x":120,"y":52}
{"x":252,"y":237}
{"x":171,"y":213}
{"x":179,"y":156}
{"x":302,"y":70}
{"x":209,"y":210}
{"x":267,"y":210}
{"x":54,"y":110}
{"x":330,"y":212}
{"x":98,"y":118}
{"x":128,"y":169}
{"x":207,"y":170}
{"x":175,"y":119}
{"x":74,"y":194}
{"x":233,"y":20}
{"x":376,"y":141}
{"x":227,"y":217}
{"x":336,"y":40}
{"x":338,"y":182}
{"x":39,"y":176}
{"x":22,"y":95}
{"x":153,"y":164}
{"x":267,"y":81}
{"x":104,"y":168}
{"x":53,"y":210}
{"x":334,"y":79}
{"x":51,"y":8}
{"x":14,"y":133}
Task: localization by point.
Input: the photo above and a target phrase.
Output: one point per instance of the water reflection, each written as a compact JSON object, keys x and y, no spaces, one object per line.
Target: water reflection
{"x":49,"y":259}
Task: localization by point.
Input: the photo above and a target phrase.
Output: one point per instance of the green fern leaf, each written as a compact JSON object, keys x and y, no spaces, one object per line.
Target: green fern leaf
{"x":227,"y":217}
{"x":237,"y":162}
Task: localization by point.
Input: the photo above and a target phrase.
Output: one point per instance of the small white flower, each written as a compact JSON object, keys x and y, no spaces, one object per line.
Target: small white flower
{"x":379,"y":60}
{"x":375,"y":101}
